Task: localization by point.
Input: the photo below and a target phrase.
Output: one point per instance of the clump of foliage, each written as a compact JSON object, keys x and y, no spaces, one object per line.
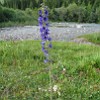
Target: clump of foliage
{"x":10,"y":17}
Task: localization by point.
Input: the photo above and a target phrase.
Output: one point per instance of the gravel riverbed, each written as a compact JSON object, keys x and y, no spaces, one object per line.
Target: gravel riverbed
{"x":59,"y":31}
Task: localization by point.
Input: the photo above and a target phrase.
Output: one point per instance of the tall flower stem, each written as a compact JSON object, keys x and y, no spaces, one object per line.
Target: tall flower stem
{"x":51,"y":83}
{"x":46,"y":42}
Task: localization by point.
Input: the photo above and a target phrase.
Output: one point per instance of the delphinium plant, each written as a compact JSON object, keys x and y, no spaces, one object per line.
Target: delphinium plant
{"x":46,"y":40}
{"x":45,"y":32}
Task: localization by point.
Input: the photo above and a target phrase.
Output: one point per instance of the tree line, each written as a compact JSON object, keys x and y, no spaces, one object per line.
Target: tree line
{"x":60,"y":10}
{"x":22,"y":4}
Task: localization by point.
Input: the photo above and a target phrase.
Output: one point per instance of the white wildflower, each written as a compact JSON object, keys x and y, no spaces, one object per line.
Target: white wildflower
{"x":64,"y":69}
{"x":39,"y":88}
{"x":55,"y":88}
{"x":59,"y":93}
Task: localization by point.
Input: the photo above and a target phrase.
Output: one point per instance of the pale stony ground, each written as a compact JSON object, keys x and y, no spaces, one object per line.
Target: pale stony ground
{"x":59,"y":32}
{"x":81,"y":41}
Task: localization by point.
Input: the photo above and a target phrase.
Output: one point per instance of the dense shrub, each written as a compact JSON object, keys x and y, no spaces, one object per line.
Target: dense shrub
{"x":1,"y":14}
{"x":6,"y":14}
{"x":72,"y":13}
{"x":76,"y":13}
{"x":82,"y":14}
{"x":62,"y":13}
{"x":98,"y":13}
{"x":93,"y":18}
{"x":9,"y":14}
{"x":72,"y":10}
{"x":20,"y":16}
{"x":29,"y":11}
{"x":54,"y":15}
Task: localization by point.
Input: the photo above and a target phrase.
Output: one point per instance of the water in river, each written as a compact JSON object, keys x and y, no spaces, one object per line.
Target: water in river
{"x":59,"y":31}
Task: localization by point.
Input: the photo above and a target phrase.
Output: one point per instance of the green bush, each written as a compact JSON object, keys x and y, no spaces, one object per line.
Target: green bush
{"x":72,"y":10}
{"x":98,"y":13}
{"x":20,"y":16}
{"x":93,"y":18}
{"x":72,"y":13}
{"x":54,"y":15}
{"x":8,"y":14}
{"x":62,"y":13}
{"x":29,"y":11}
{"x":82,"y":14}
{"x":1,"y":14}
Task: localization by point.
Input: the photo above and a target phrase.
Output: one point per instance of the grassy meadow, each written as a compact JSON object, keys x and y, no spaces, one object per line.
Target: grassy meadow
{"x":24,"y":76}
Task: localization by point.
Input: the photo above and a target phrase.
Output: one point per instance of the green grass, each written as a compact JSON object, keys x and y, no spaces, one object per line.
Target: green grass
{"x":24,"y":76}
{"x":95,"y":38}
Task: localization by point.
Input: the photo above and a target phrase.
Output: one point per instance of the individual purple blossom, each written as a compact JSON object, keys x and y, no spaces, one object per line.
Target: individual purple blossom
{"x":43,"y":43}
{"x":50,"y":45}
{"x":40,"y":12}
{"x":46,"y":12}
{"x":45,"y":19}
{"x":46,"y":61}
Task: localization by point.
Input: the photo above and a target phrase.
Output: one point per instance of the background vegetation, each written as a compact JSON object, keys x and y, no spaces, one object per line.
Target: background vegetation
{"x":60,"y":10}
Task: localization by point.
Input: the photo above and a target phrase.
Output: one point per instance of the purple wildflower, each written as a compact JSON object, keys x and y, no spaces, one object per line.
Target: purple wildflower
{"x":43,"y":43}
{"x":46,"y":61}
{"x":46,"y":12}
{"x":49,"y":39}
{"x":44,"y":32}
{"x":45,"y":19}
{"x":50,"y":45}
{"x":40,"y":12}
{"x":40,"y":19}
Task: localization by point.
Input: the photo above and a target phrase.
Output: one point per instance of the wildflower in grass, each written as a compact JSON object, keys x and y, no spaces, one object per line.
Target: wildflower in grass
{"x":44,"y":32}
{"x":55,"y":88}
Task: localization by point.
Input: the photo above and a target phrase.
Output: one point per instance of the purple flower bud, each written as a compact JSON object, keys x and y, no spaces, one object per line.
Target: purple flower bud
{"x":43,"y":43}
{"x":46,"y":52}
{"x":40,"y":19}
{"x":40,"y":12}
{"x":43,"y":49}
{"x":49,"y":39}
{"x":41,"y":30}
{"x":46,"y":32}
{"x":40,"y":24}
{"x":46,"y":12}
{"x":50,"y":45}
{"x":46,"y":61}
{"x":44,"y":38}
{"x":44,"y":28}
{"x":45,"y":19}
{"x":47,"y":24}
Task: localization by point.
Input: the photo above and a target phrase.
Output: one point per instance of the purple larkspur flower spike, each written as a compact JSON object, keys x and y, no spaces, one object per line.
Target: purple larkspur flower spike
{"x":44,"y":32}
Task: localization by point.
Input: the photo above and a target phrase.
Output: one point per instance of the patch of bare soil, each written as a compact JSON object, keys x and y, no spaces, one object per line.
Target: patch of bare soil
{"x":82,"y":41}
